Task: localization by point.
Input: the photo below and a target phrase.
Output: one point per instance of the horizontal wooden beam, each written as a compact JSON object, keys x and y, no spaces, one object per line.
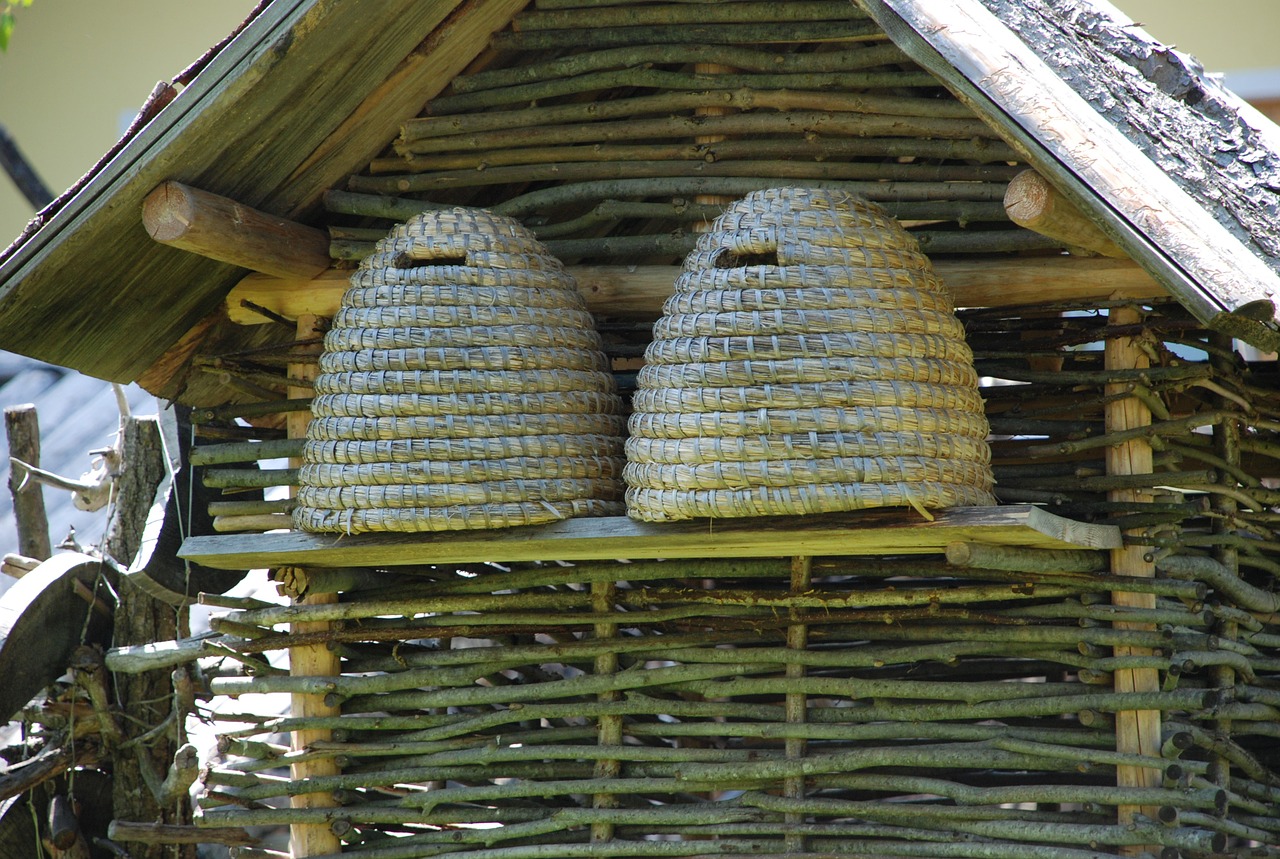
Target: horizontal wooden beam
{"x":867,"y":533}
{"x":1033,"y":203}
{"x":220,"y":228}
{"x":638,"y":291}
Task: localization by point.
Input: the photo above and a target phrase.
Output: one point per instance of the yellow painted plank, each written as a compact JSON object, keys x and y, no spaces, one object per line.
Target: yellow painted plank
{"x":866,"y":533}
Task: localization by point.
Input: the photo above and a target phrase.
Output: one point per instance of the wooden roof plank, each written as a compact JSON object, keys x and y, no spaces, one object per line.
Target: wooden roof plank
{"x":421,"y":76}
{"x":1148,"y":214}
{"x":866,"y":533}
{"x":279,"y":89}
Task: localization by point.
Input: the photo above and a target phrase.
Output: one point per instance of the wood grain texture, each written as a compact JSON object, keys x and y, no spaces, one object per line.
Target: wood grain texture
{"x":1137,"y":731}
{"x":42,"y":621}
{"x":222,"y":229}
{"x":245,"y":128}
{"x":461,"y":31}
{"x":148,"y":697}
{"x":22,"y":428}
{"x":867,"y":533}
{"x":638,"y":291}
{"x":309,"y":839}
{"x":1063,"y":136}
{"x":1034,"y":203}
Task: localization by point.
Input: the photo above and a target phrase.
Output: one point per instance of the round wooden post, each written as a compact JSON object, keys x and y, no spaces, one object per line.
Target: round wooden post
{"x":23,"y":429}
{"x":1137,"y":731}
{"x":311,"y":661}
{"x":797,"y":703}
{"x":609,"y":730}
{"x":1033,"y":203}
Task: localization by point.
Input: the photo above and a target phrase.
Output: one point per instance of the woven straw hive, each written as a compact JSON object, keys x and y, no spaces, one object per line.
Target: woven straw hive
{"x":809,"y":361}
{"x":462,"y":386}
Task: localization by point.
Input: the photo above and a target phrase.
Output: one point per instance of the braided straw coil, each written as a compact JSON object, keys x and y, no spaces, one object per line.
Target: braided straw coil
{"x":462,"y":386}
{"x":809,"y":361}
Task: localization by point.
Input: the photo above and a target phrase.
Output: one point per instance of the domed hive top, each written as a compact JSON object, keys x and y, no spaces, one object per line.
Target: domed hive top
{"x":462,"y":386}
{"x":808,"y":361}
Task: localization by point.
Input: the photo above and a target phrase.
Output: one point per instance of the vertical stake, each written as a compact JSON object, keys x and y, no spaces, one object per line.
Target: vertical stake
{"x":796,"y":703}
{"x":1137,"y":731}
{"x":309,"y":839}
{"x":22,"y":426}
{"x":1226,"y":443}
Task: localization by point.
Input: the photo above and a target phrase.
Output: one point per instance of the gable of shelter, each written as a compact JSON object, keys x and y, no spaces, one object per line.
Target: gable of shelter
{"x":614,"y":132}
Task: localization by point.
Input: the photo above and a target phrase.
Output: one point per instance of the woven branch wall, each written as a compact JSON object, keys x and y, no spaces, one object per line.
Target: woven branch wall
{"x":926,"y":706}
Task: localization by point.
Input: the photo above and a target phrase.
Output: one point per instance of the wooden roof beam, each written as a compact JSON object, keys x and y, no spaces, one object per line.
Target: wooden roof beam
{"x":222,"y":229}
{"x":1035,"y":204}
{"x":638,"y":291}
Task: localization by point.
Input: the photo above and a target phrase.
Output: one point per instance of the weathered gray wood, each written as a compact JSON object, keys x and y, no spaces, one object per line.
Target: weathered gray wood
{"x":139,"y":832}
{"x":41,"y":623}
{"x":22,"y":428}
{"x":792,"y":121}
{"x":985,"y":151}
{"x":672,"y":102}
{"x":422,"y":73}
{"x":876,"y":532}
{"x":1154,"y":220}
{"x":928,"y":177}
{"x":642,"y":16}
{"x":702,"y":34}
{"x":152,"y":656}
{"x":140,"y":618}
{"x":734,"y":56}
{"x":180,"y":506}
{"x":18,"y":836}
{"x":992,"y":557}
{"x":298,"y":57}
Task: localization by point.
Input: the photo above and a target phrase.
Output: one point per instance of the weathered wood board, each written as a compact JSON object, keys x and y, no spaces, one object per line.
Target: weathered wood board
{"x":867,"y":533}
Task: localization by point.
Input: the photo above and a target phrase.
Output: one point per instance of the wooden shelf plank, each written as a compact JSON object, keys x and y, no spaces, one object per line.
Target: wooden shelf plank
{"x":866,"y":533}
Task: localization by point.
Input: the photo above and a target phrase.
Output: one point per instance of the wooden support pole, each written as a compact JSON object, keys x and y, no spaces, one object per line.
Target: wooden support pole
{"x":216,"y":227}
{"x":310,"y":839}
{"x":1137,"y":731}
{"x":638,"y":291}
{"x":1035,"y":204}
{"x":610,"y":727}
{"x":797,"y":703}
{"x":22,"y":428}
{"x":147,"y":697}
{"x":1226,"y":444}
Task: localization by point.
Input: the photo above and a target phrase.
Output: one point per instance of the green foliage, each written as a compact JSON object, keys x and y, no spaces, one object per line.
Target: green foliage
{"x":6,"y":20}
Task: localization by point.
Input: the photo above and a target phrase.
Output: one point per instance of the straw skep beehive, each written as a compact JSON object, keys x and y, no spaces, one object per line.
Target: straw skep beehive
{"x":809,"y":361}
{"x":462,"y":386}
